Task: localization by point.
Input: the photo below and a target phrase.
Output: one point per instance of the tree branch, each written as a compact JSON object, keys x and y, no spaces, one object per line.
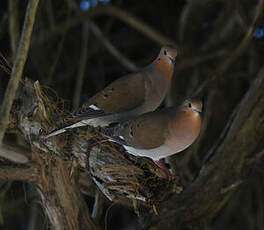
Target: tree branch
{"x":13,"y":25}
{"x":19,"y":173}
{"x":82,"y":65}
{"x":14,"y":154}
{"x":113,"y":11}
{"x":62,"y":199}
{"x":238,"y":51}
{"x":112,"y":50}
{"x":18,"y":66}
{"x":139,"y":25}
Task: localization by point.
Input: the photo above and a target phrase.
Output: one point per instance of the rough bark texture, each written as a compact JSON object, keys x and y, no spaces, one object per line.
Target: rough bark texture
{"x":52,"y":174}
{"x":61,"y":196}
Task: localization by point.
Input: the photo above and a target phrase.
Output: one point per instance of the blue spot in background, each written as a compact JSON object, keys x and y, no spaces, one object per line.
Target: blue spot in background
{"x":259,"y":32}
{"x":87,"y":4}
{"x":93,"y":3}
{"x":104,"y":1}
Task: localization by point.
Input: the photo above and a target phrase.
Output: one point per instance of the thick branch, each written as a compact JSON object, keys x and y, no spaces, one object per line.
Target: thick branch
{"x":63,"y":201}
{"x":15,"y":173}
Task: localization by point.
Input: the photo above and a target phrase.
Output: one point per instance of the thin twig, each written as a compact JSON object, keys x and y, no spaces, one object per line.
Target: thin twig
{"x":112,"y":50}
{"x":50,"y":14}
{"x":3,"y":20}
{"x":33,"y":217}
{"x":13,"y":25}
{"x":82,"y":65}
{"x":54,"y":63}
{"x":139,"y":25}
{"x":13,"y":154}
{"x":190,"y":62}
{"x":239,"y":50}
{"x":18,"y":66}
{"x":257,"y":157}
{"x":108,"y":45}
{"x":98,"y":206}
{"x":113,"y":11}
{"x":259,"y":196}
{"x":83,"y":58}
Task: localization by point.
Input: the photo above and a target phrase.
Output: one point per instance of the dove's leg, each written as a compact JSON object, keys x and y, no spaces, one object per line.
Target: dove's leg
{"x":164,"y":168}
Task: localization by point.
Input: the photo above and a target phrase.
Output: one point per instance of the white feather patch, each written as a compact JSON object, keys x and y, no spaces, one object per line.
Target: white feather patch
{"x":155,"y":154}
{"x":94,"y":107}
{"x":121,"y":137}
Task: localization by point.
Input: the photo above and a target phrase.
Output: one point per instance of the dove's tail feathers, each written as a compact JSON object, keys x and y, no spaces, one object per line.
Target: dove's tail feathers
{"x":59,"y":131}
{"x":83,"y":114}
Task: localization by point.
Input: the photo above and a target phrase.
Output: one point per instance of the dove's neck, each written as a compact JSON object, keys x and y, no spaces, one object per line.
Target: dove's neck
{"x":164,"y":67}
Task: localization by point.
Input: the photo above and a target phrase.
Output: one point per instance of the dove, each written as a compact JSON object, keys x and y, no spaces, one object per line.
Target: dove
{"x":128,"y":96}
{"x":161,"y":133}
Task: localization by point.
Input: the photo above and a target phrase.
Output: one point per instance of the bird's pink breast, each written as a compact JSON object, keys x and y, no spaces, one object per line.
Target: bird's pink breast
{"x":183,"y":131}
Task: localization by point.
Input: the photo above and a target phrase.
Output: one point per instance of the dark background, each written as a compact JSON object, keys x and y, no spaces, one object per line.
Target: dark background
{"x":207,"y":33}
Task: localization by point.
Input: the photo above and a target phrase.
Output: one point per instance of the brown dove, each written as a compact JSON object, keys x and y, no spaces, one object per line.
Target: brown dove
{"x":159,"y":134}
{"x":129,"y":96}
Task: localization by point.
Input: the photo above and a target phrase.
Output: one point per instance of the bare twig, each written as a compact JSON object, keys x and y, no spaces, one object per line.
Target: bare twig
{"x":3,"y":20}
{"x":50,"y":14}
{"x":108,"y":45}
{"x":190,"y":62}
{"x":257,"y":156}
{"x":82,"y":65}
{"x":83,"y":57}
{"x":18,"y":66}
{"x":112,"y":50}
{"x":33,"y":217}
{"x":57,"y":57}
{"x":231,"y":187}
{"x":122,"y":15}
{"x":239,"y":50}
{"x":246,"y":40}
{"x":259,"y":195}
{"x":14,"y":154}
{"x":98,"y":206}
{"x":13,"y":25}
{"x":139,"y":25}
